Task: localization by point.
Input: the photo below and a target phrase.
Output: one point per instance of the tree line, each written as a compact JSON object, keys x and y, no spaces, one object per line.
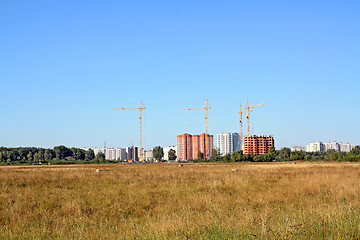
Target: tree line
{"x":285,"y":154}
{"x":57,"y":155}
{"x":64,"y":155}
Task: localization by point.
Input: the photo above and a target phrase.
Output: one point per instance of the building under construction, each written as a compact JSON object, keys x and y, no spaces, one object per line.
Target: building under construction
{"x":257,"y":144}
{"x":189,"y":146}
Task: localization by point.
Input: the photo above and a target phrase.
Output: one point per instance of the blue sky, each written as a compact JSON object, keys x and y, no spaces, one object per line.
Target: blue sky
{"x":64,"y":66}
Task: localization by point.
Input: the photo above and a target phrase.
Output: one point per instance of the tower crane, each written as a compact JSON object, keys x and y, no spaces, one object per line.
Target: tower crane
{"x":206,"y":108}
{"x":141,"y":107}
{"x":248,"y":107}
{"x":240,"y":121}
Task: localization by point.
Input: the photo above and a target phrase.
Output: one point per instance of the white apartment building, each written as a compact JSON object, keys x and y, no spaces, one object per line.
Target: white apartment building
{"x":323,"y":147}
{"x":166,"y":151}
{"x":148,"y":155}
{"x":227,"y":143}
{"x":112,"y":153}
{"x":297,"y":148}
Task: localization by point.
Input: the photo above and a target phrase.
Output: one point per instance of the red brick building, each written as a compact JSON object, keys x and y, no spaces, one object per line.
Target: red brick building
{"x":257,"y":144}
{"x":188,"y":146}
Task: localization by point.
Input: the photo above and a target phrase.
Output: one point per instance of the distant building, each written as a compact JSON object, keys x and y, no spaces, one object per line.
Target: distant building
{"x":132,"y":153}
{"x":297,"y":148}
{"x":323,"y":147}
{"x":189,"y":146}
{"x":315,"y":147}
{"x":227,"y":143}
{"x":112,"y":153}
{"x":258,"y":144}
{"x":166,"y":151}
{"x":148,"y":154}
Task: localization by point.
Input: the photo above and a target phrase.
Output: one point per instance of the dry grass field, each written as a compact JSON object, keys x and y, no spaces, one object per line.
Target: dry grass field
{"x":196,"y":201}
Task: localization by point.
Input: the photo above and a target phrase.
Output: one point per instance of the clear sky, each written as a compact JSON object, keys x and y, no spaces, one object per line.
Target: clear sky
{"x":64,"y":66}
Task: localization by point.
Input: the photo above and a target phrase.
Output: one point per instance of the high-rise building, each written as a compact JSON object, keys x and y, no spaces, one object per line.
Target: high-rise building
{"x":184,"y":147}
{"x":228,"y":143}
{"x":258,"y":144}
{"x":132,"y":153}
{"x":189,"y":146}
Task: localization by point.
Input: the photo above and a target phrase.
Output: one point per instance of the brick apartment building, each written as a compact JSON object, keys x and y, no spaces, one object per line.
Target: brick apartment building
{"x":189,"y":146}
{"x":257,"y":144}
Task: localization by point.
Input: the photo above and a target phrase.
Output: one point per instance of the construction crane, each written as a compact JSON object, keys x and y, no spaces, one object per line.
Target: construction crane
{"x":206,"y":108}
{"x":248,"y":107}
{"x":240,"y":121}
{"x":141,"y":107}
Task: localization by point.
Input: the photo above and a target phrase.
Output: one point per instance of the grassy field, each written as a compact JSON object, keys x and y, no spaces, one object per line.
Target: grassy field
{"x":196,"y":201}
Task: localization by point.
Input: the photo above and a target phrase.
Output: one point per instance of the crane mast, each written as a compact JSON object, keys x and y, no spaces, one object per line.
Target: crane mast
{"x":141,"y":108}
{"x":248,"y":107}
{"x":240,"y":121}
{"x":206,"y":108}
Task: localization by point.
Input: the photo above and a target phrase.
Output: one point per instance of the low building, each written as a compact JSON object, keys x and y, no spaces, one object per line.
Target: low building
{"x":148,"y":155}
{"x":323,"y":147}
{"x":166,"y":151}
{"x":297,"y":148}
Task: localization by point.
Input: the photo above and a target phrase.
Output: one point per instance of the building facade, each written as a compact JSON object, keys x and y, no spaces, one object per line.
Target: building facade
{"x":297,"y":148}
{"x":189,"y":146}
{"x":118,"y":154}
{"x":258,"y":144}
{"x":166,"y":151}
{"x":227,"y":143}
{"x":323,"y":147}
{"x":132,"y":153}
{"x":148,"y":155}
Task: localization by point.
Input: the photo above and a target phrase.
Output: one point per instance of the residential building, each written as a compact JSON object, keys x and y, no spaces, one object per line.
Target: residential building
{"x":228,"y":143}
{"x":258,"y":144}
{"x":166,"y":151}
{"x":184,"y":147}
{"x":333,"y":145}
{"x":132,"y":153}
{"x":315,"y":147}
{"x":297,"y":148}
{"x":148,"y":155}
{"x":189,"y":146}
{"x":112,"y":153}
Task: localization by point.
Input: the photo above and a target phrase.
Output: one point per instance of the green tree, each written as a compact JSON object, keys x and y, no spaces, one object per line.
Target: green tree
{"x":158,"y":153}
{"x":355,"y":150}
{"x":259,"y":158}
{"x":284,"y":153}
{"x":49,"y":155}
{"x":172,"y":154}
{"x":227,"y":157}
{"x":89,"y":155}
{"x":237,"y":156}
{"x":62,"y":152}
{"x":100,"y":157}
{"x":79,"y":154}
{"x":200,"y":156}
{"x":30,"y":156}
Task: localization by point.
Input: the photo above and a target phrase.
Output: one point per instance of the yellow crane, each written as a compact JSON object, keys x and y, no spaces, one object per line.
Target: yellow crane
{"x":141,"y":107}
{"x":206,"y":108}
{"x":248,"y":107}
{"x":240,"y":121}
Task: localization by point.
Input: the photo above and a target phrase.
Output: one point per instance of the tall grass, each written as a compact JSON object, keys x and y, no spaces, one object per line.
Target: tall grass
{"x":196,"y":201}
